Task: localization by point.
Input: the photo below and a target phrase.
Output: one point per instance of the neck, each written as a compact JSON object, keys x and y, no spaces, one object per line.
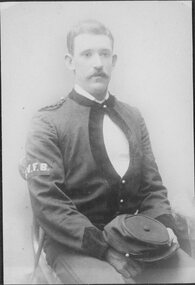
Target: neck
{"x":100,"y":96}
{"x":93,"y":96}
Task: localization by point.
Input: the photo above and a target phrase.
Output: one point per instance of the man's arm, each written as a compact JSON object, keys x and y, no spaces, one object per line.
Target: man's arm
{"x":153,"y":194}
{"x":53,"y":209}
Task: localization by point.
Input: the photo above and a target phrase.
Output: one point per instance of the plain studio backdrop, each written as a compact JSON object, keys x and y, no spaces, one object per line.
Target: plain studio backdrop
{"x":153,"y":41}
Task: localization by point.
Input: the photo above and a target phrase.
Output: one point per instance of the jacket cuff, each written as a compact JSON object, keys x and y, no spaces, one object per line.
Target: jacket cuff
{"x":167,"y":220}
{"x":94,"y":243}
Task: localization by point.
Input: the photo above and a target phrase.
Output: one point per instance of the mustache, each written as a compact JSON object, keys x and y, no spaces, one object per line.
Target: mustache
{"x":98,"y":73}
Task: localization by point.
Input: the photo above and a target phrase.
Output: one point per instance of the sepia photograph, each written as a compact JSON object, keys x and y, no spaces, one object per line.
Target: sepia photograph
{"x":97,"y":142}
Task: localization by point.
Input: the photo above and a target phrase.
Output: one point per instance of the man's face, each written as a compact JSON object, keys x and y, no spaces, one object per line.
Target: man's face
{"x":92,"y":63}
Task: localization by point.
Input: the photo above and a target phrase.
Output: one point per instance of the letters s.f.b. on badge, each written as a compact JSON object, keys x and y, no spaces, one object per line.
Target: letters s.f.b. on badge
{"x":36,"y":168}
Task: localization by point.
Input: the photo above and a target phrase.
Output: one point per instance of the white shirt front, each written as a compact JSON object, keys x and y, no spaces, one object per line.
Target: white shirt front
{"x":115,"y":141}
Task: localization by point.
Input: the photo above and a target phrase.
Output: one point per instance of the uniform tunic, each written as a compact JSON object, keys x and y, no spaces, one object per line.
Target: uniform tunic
{"x":115,"y":141}
{"x":74,"y":188}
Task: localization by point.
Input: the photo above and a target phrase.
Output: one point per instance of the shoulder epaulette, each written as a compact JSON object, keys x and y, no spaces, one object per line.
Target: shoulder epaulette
{"x":54,"y":106}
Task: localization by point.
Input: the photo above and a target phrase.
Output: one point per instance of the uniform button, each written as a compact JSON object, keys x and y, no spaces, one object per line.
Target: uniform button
{"x":127,"y":254}
{"x":121,"y":200}
{"x":146,"y":228}
{"x":104,"y":106}
{"x":123,"y":181}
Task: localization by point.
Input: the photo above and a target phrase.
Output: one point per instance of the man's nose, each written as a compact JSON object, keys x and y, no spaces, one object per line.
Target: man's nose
{"x":97,"y":62}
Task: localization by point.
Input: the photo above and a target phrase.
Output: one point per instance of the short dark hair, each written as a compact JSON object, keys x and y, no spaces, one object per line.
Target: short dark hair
{"x":89,"y":27}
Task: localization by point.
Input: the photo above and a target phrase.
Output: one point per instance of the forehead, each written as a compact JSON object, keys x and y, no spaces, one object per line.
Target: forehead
{"x":91,"y":41}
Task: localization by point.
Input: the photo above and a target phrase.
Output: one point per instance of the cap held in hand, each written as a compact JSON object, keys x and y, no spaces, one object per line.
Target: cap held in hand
{"x":140,"y":237}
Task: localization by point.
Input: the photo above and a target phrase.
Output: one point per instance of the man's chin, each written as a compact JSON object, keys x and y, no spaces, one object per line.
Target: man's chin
{"x":99,"y":90}
{"x":99,"y":86}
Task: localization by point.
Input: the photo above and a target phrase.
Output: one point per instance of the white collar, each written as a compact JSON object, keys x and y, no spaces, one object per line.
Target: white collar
{"x":84,"y":93}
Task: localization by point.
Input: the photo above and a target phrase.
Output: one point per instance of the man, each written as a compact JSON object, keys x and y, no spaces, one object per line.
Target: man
{"x":89,"y":159}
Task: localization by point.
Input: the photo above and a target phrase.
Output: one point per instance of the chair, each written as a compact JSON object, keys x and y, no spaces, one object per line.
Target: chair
{"x":42,"y":272}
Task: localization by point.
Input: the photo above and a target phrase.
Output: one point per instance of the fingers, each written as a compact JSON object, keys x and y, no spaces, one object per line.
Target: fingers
{"x":129,"y":280}
{"x":120,"y":266}
{"x":129,"y":268}
{"x":172,"y":236}
{"x":123,"y":264}
{"x":124,"y":272}
{"x":134,"y":267}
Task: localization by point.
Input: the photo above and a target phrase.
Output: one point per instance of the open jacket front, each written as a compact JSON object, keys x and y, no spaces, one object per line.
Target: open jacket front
{"x":74,"y":188}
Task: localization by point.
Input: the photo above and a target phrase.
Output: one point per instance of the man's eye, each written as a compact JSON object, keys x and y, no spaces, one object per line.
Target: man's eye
{"x":87,"y":54}
{"x":105,"y":54}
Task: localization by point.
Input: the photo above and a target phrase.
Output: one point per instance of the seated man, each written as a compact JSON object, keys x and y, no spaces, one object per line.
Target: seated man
{"x":89,"y":159}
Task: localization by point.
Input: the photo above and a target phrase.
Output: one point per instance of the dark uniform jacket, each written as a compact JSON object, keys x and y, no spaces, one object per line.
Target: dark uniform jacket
{"x":74,"y":188}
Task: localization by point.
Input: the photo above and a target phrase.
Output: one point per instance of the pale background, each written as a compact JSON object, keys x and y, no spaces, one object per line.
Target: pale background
{"x":153,"y":41}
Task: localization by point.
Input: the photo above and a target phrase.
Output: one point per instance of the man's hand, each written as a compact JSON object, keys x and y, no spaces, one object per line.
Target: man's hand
{"x":172,"y":236}
{"x":124,"y":265}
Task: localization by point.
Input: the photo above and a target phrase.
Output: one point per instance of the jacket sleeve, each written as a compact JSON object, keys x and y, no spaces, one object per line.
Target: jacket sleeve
{"x":53,"y":209}
{"x":153,"y":194}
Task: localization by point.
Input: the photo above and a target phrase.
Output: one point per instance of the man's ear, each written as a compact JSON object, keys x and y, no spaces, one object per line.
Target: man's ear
{"x":69,"y":61}
{"x":114,"y":60}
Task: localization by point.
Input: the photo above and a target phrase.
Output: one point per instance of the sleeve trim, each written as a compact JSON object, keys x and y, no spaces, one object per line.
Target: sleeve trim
{"x":94,"y":242}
